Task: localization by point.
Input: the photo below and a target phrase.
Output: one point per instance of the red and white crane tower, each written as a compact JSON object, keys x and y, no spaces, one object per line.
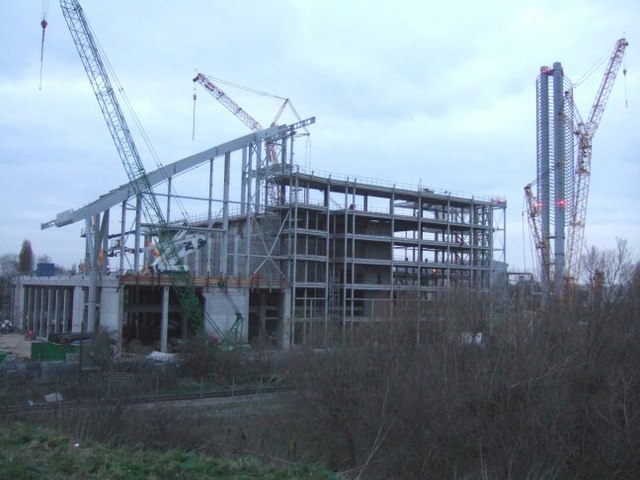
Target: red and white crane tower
{"x":585,"y":130}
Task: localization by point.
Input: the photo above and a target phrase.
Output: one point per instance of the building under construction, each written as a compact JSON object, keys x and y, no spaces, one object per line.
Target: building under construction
{"x":276,"y":254}
{"x":259,"y":251}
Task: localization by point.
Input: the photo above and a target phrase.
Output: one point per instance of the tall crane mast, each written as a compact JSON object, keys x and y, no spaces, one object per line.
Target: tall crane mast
{"x":579,"y":192}
{"x":180,"y":279}
{"x":585,"y":130}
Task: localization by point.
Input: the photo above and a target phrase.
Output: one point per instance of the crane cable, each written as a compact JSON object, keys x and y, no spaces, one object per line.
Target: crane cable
{"x":246,"y":89}
{"x":43,"y":24}
{"x":591,"y":71}
{"x":624,"y":74}
{"x":123,"y":96}
{"x":193,"y":126}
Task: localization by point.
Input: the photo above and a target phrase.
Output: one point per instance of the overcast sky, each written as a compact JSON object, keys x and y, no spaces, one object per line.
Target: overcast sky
{"x":440,"y":94}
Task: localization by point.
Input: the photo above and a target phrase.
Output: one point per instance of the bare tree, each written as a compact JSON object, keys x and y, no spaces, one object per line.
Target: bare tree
{"x":44,"y":259}
{"x":606,"y":271}
{"x":8,"y":265}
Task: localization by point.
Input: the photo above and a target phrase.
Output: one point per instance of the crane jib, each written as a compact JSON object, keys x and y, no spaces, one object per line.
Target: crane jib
{"x":125,"y":145}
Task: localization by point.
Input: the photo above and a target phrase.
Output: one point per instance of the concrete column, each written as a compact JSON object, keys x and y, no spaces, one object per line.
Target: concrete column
{"x":559,"y":165}
{"x":164,"y":327}
{"x":65,"y":310}
{"x":220,"y":308}
{"x":19,"y":301}
{"x":120,"y":317}
{"x":33,"y":309}
{"x":41,"y":312}
{"x":544,"y":181}
{"x":56,"y":308}
{"x":50,"y":314}
{"x":109,"y":308}
{"x":286,"y":329}
{"x":77,"y":306}
{"x":224,"y":237}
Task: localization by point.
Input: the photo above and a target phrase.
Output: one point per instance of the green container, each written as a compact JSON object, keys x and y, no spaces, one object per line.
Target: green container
{"x":37,"y":351}
{"x":3,"y":355}
{"x":50,"y":352}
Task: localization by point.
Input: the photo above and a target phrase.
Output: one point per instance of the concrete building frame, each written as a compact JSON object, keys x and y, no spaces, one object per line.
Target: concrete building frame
{"x":303,"y":256}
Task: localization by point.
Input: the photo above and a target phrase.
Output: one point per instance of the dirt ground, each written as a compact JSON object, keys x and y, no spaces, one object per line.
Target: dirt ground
{"x":15,"y":344}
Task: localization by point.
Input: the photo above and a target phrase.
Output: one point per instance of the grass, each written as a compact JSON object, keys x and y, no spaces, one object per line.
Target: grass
{"x":28,"y":452}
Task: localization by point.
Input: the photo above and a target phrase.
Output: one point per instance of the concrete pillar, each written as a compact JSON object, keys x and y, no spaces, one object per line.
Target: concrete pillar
{"x":224,"y":238}
{"x":164,"y":327}
{"x":65,"y":310}
{"x":559,"y":166}
{"x":286,"y":329}
{"x":18,"y":309}
{"x":109,"y":308}
{"x":41,"y":312}
{"x":50,"y":314}
{"x":220,"y":308}
{"x":544,"y":182}
{"x":92,"y":302}
{"x":120,"y":317}
{"x":77,"y":314}
{"x":57,"y":327}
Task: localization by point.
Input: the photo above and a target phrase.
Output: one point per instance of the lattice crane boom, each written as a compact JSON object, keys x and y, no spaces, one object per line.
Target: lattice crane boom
{"x":208,"y":83}
{"x":225,"y":100}
{"x":131,"y":160}
{"x":533,"y":214}
{"x":585,"y":130}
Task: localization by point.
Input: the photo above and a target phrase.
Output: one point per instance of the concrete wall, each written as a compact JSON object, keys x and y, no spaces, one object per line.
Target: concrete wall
{"x":220,"y":306}
{"x":110,"y":307}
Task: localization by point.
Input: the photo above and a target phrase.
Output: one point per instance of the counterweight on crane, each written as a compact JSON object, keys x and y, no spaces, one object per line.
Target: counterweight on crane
{"x":180,"y":279}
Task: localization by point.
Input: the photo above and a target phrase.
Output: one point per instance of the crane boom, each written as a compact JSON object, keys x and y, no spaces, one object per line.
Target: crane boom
{"x":238,"y":111}
{"x":123,"y":140}
{"x":585,"y":132}
{"x":533,"y":214}
{"x":225,"y":100}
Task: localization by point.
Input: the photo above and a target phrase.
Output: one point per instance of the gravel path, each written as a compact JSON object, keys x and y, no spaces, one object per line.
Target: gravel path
{"x":15,"y":344}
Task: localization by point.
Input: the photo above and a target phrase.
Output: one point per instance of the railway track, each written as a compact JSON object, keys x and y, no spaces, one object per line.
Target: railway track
{"x":239,"y":393}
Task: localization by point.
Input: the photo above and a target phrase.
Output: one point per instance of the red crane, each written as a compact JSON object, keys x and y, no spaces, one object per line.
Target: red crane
{"x":584,"y":131}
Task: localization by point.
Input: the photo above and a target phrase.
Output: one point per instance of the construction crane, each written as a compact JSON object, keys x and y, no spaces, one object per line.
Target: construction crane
{"x":541,"y":243}
{"x":180,"y":279}
{"x":585,"y":130}
{"x":253,"y":124}
{"x":273,"y":149}
{"x":225,"y":100}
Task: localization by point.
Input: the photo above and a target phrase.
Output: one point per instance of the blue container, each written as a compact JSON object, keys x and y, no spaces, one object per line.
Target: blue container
{"x":45,"y":270}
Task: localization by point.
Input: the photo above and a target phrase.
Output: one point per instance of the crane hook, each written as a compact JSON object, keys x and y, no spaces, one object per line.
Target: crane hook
{"x":43,"y":24}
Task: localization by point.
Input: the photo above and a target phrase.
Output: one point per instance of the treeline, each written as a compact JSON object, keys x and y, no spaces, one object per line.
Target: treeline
{"x":546,"y":394}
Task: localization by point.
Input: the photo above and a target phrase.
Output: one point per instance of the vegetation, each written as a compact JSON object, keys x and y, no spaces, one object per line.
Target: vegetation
{"x":25,"y":258}
{"x":548,"y":394}
{"x":27,"y":452}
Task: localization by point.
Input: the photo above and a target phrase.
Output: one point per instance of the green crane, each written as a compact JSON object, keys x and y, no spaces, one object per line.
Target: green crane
{"x":181,"y":280}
